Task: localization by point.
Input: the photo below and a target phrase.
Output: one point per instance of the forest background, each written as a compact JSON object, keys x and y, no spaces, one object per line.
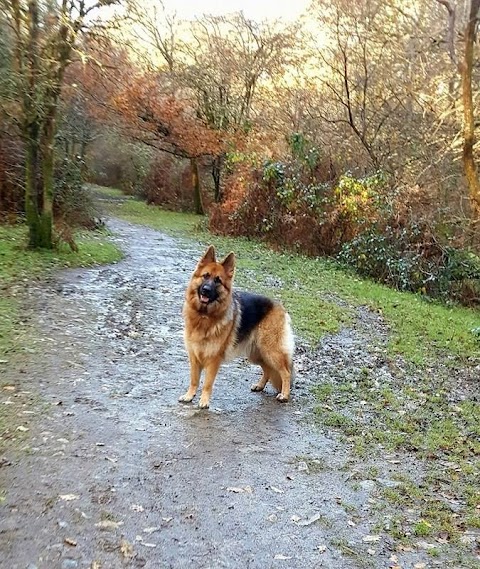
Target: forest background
{"x":348,"y":131}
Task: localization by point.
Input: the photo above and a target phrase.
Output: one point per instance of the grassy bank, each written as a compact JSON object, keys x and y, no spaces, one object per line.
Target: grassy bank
{"x":19,"y":266}
{"x":322,"y":297}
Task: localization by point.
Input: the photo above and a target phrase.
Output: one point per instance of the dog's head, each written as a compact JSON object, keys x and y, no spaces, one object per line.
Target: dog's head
{"x":212,"y":280}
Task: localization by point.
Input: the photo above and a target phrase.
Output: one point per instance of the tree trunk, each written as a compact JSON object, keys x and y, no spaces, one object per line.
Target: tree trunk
{"x":48,"y":162}
{"x":197,"y":195}
{"x":470,"y":169}
{"x":217,"y":175}
{"x":39,"y":224}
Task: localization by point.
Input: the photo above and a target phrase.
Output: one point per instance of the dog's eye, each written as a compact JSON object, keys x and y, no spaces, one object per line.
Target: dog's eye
{"x":217,"y":280}
{"x":206,"y":276}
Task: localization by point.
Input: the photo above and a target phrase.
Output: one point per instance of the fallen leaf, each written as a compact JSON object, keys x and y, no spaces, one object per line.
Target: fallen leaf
{"x":371,"y":538}
{"x":371,"y":551}
{"x":406,"y":548}
{"x":68,"y":497}
{"x":419,"y":566}
{"x":278,"y":491}
{"x":148,"y":544}
{"x":295,"y":518}
{"x":95,"y":565}
{"x":309,"y":521}
{"x":302,"y":467}
{"x":126,"y":549}
{"x":272,"y":518}
{"x":167,"y":519}
{"x":9,"y":387}
{"x":235,"y":489}
{"x":136,"y":508}
{"x":425,"y":545}
{"x":240,"y":490}
{"x":281,"y":557}
{"x":351,"y":524}
{"x":108,"y":524}
{"x":71,"y":542}
{"x":152,"y":529}
{"x":22,"y":429}
{"x":322,"y":548}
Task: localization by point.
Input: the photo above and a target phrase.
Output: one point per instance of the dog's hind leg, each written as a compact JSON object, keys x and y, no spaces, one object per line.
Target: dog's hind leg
{"x":195,"y":371}
{"x":285,"y":376}
{"x":262,"y":382}
{"x":281,"y":375}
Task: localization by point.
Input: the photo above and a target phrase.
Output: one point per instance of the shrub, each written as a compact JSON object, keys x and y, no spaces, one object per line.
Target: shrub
{"x":73,"y":204}
{"x":168,"y":184}
{"x":410,"y":258}
{"x":366,"y":222}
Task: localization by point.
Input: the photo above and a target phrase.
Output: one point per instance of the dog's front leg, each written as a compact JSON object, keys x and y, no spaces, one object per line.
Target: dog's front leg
{"x":211,"y":370}
{"x":195,"y":371}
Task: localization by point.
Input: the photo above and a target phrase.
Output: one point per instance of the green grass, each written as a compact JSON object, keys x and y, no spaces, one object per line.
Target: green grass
{"x":426,"y":417}
{"x":320,"y":296}
{"x":19,"y":266}
{"x":170,"y":222}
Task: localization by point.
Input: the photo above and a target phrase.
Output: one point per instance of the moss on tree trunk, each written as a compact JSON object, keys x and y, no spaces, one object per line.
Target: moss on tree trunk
{"x":197,"y":194}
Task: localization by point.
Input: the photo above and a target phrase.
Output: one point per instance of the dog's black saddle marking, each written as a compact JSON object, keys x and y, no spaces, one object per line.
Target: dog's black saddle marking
{"x":253,"y":309}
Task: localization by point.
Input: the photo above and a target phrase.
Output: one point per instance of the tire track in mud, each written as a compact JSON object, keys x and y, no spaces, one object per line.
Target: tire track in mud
{"x":116,"y":473}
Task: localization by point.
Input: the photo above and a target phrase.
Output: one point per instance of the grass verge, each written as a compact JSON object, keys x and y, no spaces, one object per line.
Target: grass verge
{"x":19,"y":266}
{"x":434,"y":419}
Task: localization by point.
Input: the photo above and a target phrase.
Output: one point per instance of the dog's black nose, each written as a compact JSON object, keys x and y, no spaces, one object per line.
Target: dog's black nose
{"x":207,"y":289}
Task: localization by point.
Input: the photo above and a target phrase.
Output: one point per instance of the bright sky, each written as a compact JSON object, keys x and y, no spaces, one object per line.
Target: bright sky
{"x":253,"y":9}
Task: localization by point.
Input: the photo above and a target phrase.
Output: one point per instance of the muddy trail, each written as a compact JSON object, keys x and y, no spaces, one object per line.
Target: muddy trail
{"x":110,"y":471}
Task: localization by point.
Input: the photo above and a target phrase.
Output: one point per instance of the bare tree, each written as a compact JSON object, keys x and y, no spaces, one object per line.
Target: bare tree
{"x":223,"y":66}
{"x":466,"y":65}
{"x":154,"y":33}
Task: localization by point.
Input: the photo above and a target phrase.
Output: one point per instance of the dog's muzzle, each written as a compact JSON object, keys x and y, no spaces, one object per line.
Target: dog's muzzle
{"x":207,"y":293}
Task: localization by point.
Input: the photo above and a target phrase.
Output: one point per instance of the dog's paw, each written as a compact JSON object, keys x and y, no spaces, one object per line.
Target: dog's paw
{"x":281,"y":398}
{"x":186,"y":398}
{"x":203,"y":404}
{"x":256,"y":387}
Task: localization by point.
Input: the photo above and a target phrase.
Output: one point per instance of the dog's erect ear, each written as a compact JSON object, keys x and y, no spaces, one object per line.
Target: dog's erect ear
{"x":229,"y":264}
{"x":208,"y":257}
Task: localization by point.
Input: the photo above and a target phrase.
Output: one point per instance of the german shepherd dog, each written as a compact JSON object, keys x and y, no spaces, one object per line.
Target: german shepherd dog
{"x":221,"y":324}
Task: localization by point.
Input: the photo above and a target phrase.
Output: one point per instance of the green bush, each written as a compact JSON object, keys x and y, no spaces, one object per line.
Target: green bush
{"x":409,"y":258}
{"x":73,"y":203}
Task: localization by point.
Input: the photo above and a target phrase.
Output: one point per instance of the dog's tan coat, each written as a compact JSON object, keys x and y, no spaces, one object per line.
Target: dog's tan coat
{"x":211,"y":334}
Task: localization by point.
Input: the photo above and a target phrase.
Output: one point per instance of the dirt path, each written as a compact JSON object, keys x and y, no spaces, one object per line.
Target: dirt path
{"x":113,"y":472}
